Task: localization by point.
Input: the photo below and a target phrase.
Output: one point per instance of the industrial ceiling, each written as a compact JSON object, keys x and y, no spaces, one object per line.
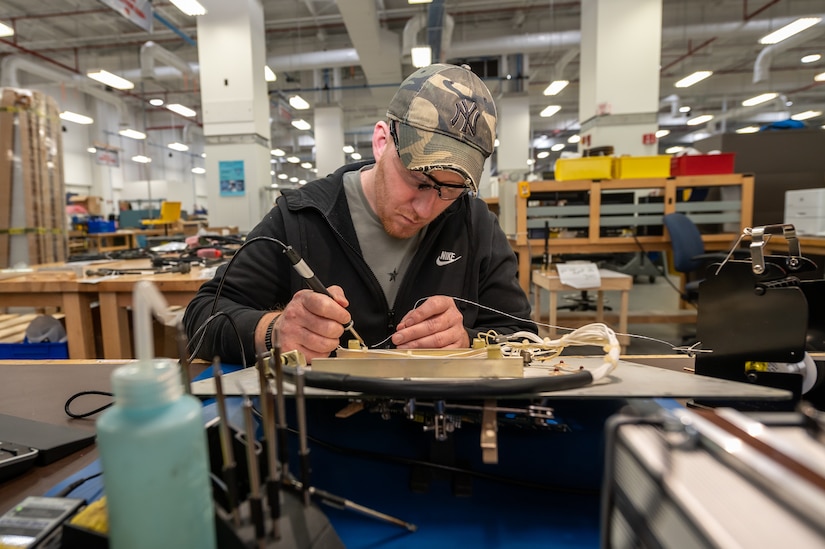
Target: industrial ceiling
{"x":325,"y":51}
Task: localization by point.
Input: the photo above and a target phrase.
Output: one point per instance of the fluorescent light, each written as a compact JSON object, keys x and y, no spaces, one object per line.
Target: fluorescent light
{"x":271,"y":172}
{"x":132,"y":134}
{"x":355,"y":156}
{"x":189,"y":7}
{"x":543,"y":154}
{"x":789,"y":30}
{"x":550,"y":111}
{"x":557,"y":147}
{"x":178,"y":146}
{"x":282,"y":176}
{"x":6,"y":30}
{"x":306,"y":165}
{"x":141,"y":159}
{"x":419,"y":1}
{"x":91,"y":150}
{"x":555,"y":87}
{"x":269,"y":74}
{"x":76,"y":118}
{"x":748,"y":129}
{"x":806,"y":115}
{"x":293,"y":179}
{"x":820,"y":77}
{"x":674,"y":150}
{"x":111,"y":80}
{"x":684,"y":108}
{"x":422,"y":56}
{"x":277,"y":152}
{"x":298,"y":102}
{"x":198,"y":171}
{"x":301,"y":124}
{"x":574,"y":139}
{"x":349,"y":149}
{"x":692,"y":79}
{"x":181,"y":110}
{"x":758,"y":99}
{"x":293,"y":159}
{"x":700,"y":120}
{"x":813,"y":58}
{"x":156,"y":102}
{"x":662,"y":133}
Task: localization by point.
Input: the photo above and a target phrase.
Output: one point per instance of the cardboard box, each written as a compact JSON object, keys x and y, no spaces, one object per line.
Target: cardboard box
{"x":702,"y":164}
{"x":639,"y":167}
{"x":589,"y":167}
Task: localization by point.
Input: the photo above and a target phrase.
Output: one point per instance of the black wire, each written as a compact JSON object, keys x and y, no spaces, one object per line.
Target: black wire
{"x":74,"y":485}
{"x":67,"y":406}
{"x":202,"y":332}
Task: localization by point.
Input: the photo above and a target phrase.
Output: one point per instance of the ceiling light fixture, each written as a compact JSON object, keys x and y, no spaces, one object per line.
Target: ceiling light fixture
{"x":198,"y":171}
{"x":748,"y":129}
{"x":293,"y":159}
{"x":6,"y":30}
{"x":355,"y":156}
{"x":549,"y":111}
{"x":422,"y":56}
{"x":555,"y":87}
{"x":181,"y":110}
{"x":700,"y":120}
{"x":692,"y":79}
{"x":189,"y":7}
{"x":182,"y":147}
{"x":674,"y":150}
{"x":269,"y":74}
{"x":156,"y":102}
{"x":70,"y":116}
{"x":813,"y":58}
{"x":759,"y":99}
{"x":574,"y":139}
{"x":91,"y":150}
{"x":348,"y":149}
{"x":111,"y":80}
{"x":542,"y":154}
{"x":298,"y":102}
{"x":419,"y":1}
{"x":306,"y":165}
{"x":662,"y":133}
{"x":277,"y":152}
{"x":684,"y":108}
{"x":557,"y":147}
{"x":806,"y":115}
{"x":820,"y":77}
{"x":132,"y":134}
{"x":789,"y":30}
{"x":141,"y":159}
{"x":283,"y":176}
{"x":301,"y":124}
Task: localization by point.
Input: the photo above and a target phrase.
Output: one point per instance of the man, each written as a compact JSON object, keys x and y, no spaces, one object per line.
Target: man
{"x":394,"y":239}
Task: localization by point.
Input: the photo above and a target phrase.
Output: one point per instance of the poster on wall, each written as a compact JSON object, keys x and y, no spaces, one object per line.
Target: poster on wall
{"x":232,"y":177}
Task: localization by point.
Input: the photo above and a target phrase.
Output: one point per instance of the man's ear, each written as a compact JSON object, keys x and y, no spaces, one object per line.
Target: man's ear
{"x":381,"y":139}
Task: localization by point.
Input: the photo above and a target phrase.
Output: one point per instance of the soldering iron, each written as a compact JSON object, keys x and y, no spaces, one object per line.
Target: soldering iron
{"x":306,"y":272}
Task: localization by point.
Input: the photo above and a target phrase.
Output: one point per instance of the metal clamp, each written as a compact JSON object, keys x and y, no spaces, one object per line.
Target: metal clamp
{"x":760,"y":236}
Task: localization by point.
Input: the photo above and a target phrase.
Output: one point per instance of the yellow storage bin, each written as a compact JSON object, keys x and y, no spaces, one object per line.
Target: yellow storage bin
{"x":589,"y":167}
{"x":639,"y":167}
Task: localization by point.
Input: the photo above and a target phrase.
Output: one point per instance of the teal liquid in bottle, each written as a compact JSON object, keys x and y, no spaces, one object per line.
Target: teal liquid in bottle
{"x":153,"y":451}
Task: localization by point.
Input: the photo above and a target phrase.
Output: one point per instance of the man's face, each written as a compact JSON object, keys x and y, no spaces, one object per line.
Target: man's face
{"x":406,"y":201}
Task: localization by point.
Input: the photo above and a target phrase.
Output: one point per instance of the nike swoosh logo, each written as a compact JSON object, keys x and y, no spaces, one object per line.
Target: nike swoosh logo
{"x":441,"y":262}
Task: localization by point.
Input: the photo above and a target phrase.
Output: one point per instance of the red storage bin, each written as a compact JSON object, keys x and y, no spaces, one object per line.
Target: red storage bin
{"x":702,"y":164}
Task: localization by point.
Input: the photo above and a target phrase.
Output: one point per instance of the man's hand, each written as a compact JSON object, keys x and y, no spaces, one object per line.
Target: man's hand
{"x":436,"y":324}
{"x":311,"y":323}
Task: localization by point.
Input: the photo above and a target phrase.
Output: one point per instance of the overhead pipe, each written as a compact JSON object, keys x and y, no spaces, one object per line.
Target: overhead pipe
{"x":12,"y":65}
{"x":435,"y":22}
{"x":762,"y":66}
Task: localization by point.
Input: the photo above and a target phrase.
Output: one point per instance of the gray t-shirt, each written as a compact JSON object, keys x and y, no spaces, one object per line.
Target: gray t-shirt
{"x":387,"y":256}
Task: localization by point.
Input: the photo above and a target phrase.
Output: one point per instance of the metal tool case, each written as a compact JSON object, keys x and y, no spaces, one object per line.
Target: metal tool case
{"x":720,"y":479}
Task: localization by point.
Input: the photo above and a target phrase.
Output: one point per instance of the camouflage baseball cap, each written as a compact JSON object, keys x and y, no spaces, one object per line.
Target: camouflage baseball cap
{"x":446,"y":120}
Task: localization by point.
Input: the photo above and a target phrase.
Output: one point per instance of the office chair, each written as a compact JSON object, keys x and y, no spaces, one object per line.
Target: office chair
{"x":689,"y":256}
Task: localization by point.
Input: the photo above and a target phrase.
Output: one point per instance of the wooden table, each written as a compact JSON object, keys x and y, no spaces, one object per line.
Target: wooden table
{"x":115,"y":296}
{"x":610,"y":280}
{"x":55,"y":289}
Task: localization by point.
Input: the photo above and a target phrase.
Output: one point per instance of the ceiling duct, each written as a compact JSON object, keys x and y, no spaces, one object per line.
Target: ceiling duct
{"x":151,"y":51}
{"x":762,"y":66}
{"x":12,"y":65}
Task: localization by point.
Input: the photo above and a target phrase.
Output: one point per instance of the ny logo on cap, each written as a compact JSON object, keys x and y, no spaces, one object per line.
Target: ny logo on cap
{"x":469,"y":111}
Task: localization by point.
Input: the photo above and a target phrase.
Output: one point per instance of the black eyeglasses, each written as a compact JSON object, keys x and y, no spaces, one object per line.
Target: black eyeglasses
{"x":446,"y":191}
